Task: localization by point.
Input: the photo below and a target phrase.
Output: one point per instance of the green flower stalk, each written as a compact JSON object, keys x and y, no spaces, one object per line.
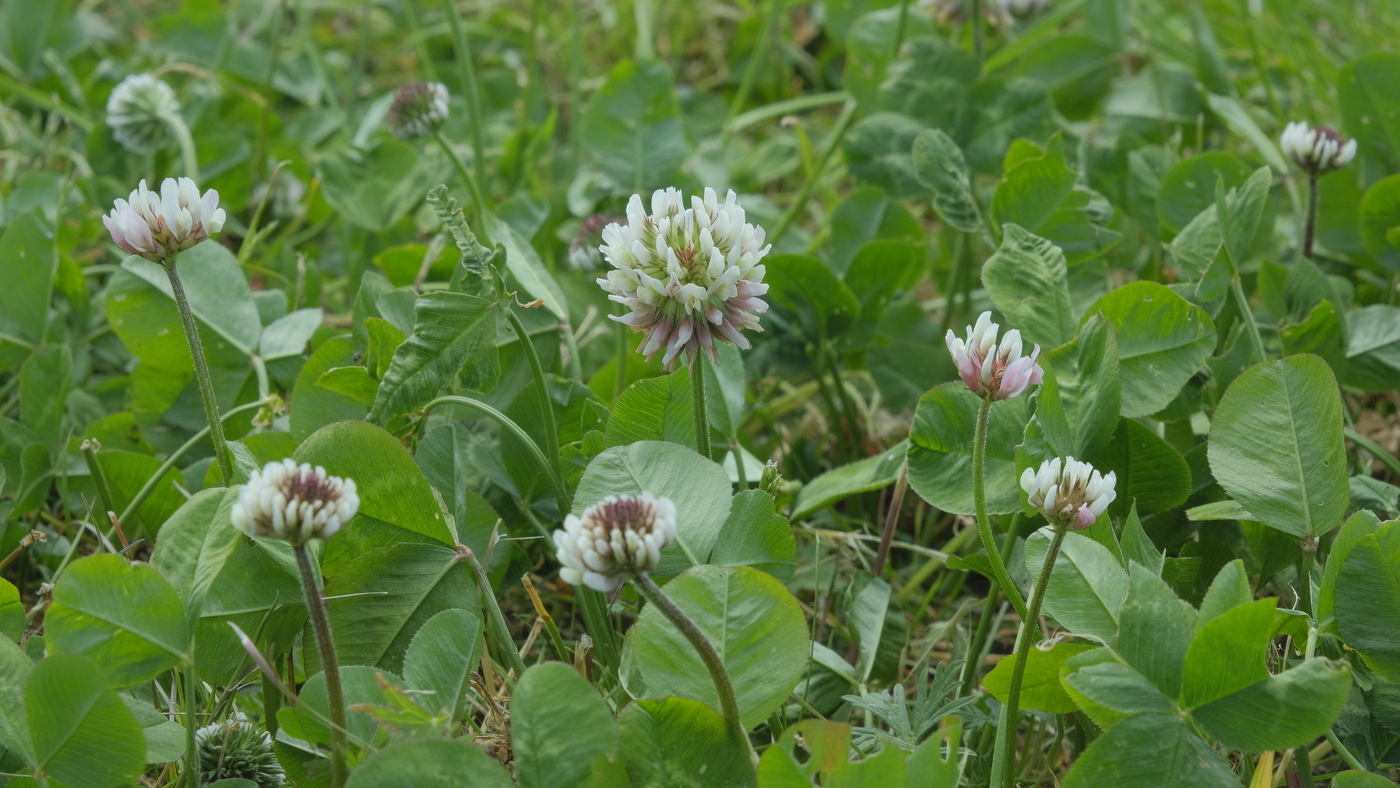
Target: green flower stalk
{"x":158,"y":226}
{"x":1316,"y":151}
{"x":143,"y":114}
{"x":298,"y":503}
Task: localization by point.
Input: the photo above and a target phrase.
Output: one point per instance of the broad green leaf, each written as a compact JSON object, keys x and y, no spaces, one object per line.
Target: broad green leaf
{"x":1107,"y":690}
{"x":445,"y":458}
{"x":383,"y":339}
{"x":15,"y":667}
{"x":1162,"y":341}
{"x":754,"y":623}
{"x":1080,"y":398}
{"x":1041,"y":195}
{"x":195,"y":544}
{"x":869,"y":38}
{"x":1368,"y":600}
{"x":1150,"y":750}
{"x":28,"y":263}
{"x":632,"y":129}
{"x":995,"y":113}
{"x":1288,"y":710}
{"x":877,"y":620}
{"x":1154,"y":630}
{"x":1087,"y":586}
{"x":1076,"y":69}
{"x":1028,"y":283}
{"x":1370,"y":113}
{"x":1239,"y":213}
{"x":868,"y":214}
{"x":359,"y":685}
{"x":165,"y":739}
{"x":288,"y":335}
{"x":1040,"y":689}
{"x":12,"y":613}
{"x":1358,"y":525}
{"x":939,"y":165}
{"x":1227,"y":653}
{"x":1236,"y":117}
{"x":680,"y":742}
{"x":352,"y":382}
{"x":527,"y":268}
{"x":756,"y":535}
{"x":656,"y":409}
{"x":1229,"y":590}
{"x":699,"y":488}
{"x":396,"y":503}
{"x":43,"y":392}
{"x":1380,"y":213}
{"x":802,"y":285}
{"x":878,"y":152}
{"x":1137,"y":545}
{"x":452,"y":333}
{"x":940,"y":450}
{"x":929,"y":78}
{"x":1320,"y":333}
{"x":314,"y":406}
{"x":1351,"y":779}
{"x":458,"y":763}
{"x":1149,"y":470}
{"x":879,"y":271}
{"x":834,"y":485}
{"x":375,"y":188}
{"x":83,"y":734}
{"x":725,"y":391}
{"x":1188,"y":188}
{"x":259,"y":590}
{"x":1373,"y":347}
{"x":126,"y":617}
{"x":558,"y":726}
{"x":441,"y":658}
{"x":1276,"y":445}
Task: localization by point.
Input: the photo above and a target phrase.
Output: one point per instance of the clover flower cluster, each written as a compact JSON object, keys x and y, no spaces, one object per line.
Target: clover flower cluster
{"x":1317,"y":150}
{"x":295,"y":503}
{"x":990,"y":370}
{"x":137,"y":111}
{"x":690,"y":276}
{"x":158,"y":226}
{"x":418,"y":110}
{"x":613,"y":539}
{"x":1071,"y":494}
{"x":584,"y":252}
{"x":237,"y":750}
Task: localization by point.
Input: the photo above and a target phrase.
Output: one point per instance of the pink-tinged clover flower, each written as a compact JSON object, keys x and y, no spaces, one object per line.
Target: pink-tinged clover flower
{"x":1317,"y":150}
{"x":294,"y":503}
{"x":690,"y":276}
{"x":418,"y":110}
{"x":990,"y":370}
{"x":620,"y":536}
{"x":1069,"y":493}
{"x":160,"y":226}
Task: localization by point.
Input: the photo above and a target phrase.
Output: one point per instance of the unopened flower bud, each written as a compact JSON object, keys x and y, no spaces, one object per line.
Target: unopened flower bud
{"x":1069,"y":493}
{"x":138,"y":111}
{"x":990,"y":370}
{"x":1317,"y":150}
{"x":237,"y":750}
{"x":771,"y":478}
{"x":617,"y":537}
{"x":418,"y":110}
{"x":160,"y":226}
{"x":295,"y":503}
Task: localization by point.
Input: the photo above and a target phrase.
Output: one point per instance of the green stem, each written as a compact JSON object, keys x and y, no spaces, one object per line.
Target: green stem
{"x":1310,"y":222}
{"x":973,"y":660}
{"x":1375,"y":449}
{"x":1303,"y":763}
{"x":838,"y":132}
{"x":499,"y":631}
{"x":1351,"y":760}
{"x":425,"y":58}
{"x":697,"y":403}
{"x":1305,"y":566}
{"x":551,"y":433}
{"x":643,"y":11}
{"x":201,"y":373}
{"x":473,"y":91}
{"x":561,"y":491}
{"x":1024,"y":641}
{"x":594,"y":607}
{"x":330,"y":665}
{"x":274,"y":53}
{"x":620,"y":380}
{"x":756,"y":58}
{"x":729,"y":707}
{"x":984,"y":523}
{"x":977,"y":32}
{"x":99,"y":480}
{"x":1247,"y":315}
{"x":899,"y":29}
{"x":191,"y":725}
{"x":478,"y":199}
{"x":305,"y":21}
{"x":188,"y":160}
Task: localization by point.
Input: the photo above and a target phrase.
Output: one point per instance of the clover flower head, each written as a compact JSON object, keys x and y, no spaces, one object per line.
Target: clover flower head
{"x":158,"y":226}
{"x":295,"y":503}
{"x":1317,"y":150}
{"x":690,"y":276}
{"x":584,"y":252}
{"x":1071,"y":494}
{"x":237,"y":750}
{"x":137,"y":112}
{"x":990,"y":370}
{"x":418,"y":110}
{"x":617,"y":537}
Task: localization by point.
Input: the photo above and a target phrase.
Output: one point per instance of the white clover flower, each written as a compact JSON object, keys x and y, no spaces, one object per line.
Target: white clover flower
{"x":991,"y":371}
{"x":1317,"y":150}
{"x":418,"y":110}
{"x":137,"y":112}
{"x":689,"y":275}
{"x":295,"y":503}
{"x":160,"y":226}
{"x":1069,"y":493}
{"x":584,"y":252}
{"x":617,"y":537}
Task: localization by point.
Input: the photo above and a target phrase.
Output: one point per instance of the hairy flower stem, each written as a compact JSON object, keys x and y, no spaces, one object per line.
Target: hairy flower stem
{"x":201,"y":374}
{"x":181,"y":132}
{"x":1305,"y":566}
{"x":499,"y":631}
{"x":979,"y":637}
{"x":551,"y":433}
{"x":728,"y":705}
{"x":330,"y":666}
{"x":1310,"y":223}
{"x":191,"y":725}
{"x":697,"y":403}
{"x":1024,"y":640}
{"x":984,"y":523}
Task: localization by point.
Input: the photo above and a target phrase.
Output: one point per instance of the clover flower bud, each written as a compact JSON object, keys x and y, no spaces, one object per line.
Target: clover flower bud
{"x":418,"y":110}
{"x":237,"y":750}
{"x":1069,"y":493}
{"x":1318,"y":150}
{"x":617,"y":537}
{"x":690,"y":276}
{"x":137,"y":113}
{"x":295,"y":503}
{"x":993,"y":371}
{"x":160,"y":226}
{"x":584,"y":252}
{"x":772,"y":479}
